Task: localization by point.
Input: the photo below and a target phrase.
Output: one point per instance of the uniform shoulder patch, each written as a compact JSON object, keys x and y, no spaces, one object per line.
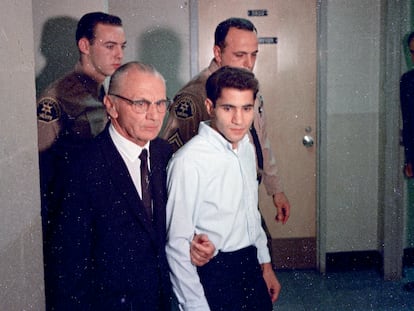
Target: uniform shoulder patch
{"x":48,"y":110}
{"x":184,"y":107}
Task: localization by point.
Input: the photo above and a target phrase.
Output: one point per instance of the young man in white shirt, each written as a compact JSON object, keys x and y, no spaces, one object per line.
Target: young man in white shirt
{"x":212,"y":189}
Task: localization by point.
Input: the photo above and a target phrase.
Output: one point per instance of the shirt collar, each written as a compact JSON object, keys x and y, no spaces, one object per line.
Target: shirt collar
{"x":125,"y":146}
{"x":213,"y":66}
{"x":217,"y":139}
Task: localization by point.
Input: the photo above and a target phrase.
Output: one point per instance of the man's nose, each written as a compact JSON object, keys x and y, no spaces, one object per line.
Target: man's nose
{"x":120,"y":52}
{"x":237,"y":116}
{"x":248,"y":63}
{"x":152,"y":112}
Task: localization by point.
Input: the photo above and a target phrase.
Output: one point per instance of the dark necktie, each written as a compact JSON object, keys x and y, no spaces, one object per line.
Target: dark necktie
{"x":145,"y":183}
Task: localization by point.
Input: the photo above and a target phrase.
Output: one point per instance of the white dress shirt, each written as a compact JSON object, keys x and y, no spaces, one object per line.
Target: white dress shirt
{"x":213,"y":190}
{"x":130,"y":154}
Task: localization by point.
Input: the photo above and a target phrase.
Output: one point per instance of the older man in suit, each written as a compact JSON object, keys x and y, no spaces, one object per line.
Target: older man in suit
{"x":108,"y":240}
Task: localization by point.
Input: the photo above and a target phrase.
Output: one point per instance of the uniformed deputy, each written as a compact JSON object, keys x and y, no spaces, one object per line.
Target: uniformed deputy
{"x":236,"y":45}
{"x":71,"y":107}
{"x":70,"y":111}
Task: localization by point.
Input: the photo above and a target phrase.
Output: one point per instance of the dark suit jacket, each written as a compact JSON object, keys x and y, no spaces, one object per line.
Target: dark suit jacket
{"x":407,"y":109}
{"x":104,"y":254}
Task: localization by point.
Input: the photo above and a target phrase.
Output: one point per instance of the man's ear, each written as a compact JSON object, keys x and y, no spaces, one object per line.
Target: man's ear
{"x":217,"y":54}
{"x":83,"y":45}
{"x":110,"y":107}
{"x":209,"y":107}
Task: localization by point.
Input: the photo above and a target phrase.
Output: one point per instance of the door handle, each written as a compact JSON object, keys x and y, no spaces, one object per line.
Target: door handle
{"x":307,"y":141}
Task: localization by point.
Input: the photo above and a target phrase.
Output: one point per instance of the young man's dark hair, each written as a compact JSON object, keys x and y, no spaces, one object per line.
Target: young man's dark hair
{"x":230,"y":77}
{"x":88,"y":22}
{"x":223,"y":28}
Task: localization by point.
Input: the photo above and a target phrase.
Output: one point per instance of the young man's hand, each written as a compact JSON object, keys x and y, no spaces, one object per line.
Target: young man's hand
{"x":272,"y":283}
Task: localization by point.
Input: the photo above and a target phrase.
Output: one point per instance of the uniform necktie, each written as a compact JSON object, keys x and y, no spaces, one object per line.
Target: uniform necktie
{"x":259,"y":153}
{"x":101,"y":93}
{"x":145,"y":183}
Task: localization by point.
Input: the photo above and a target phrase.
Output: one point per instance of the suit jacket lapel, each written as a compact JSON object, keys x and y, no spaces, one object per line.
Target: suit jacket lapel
{"x":122,"y":180}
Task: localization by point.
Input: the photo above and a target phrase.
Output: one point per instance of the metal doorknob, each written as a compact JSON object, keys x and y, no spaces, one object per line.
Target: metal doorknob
{"x":307,"y":141}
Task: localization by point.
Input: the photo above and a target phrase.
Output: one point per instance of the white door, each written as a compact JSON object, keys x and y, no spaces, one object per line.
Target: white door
{"x":286,"y":70}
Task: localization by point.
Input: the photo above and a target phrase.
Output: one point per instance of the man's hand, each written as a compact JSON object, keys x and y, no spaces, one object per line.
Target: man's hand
{"x":408,"y":170}
{"x":201,"y":250}
{"x":282,"y":205}
{"x":272,"y":283}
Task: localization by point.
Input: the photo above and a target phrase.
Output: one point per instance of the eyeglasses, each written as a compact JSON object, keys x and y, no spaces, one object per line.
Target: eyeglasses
{"x":142,"y":105}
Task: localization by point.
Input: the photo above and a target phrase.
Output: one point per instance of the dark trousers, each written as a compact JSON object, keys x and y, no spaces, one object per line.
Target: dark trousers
{"x":233,"y":281}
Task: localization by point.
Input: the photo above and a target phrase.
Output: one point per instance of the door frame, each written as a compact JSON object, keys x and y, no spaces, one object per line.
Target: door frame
{"x":396,"y":15}
{"x":391,"y":219}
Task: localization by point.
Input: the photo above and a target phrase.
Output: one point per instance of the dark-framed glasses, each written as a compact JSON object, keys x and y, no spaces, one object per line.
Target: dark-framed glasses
{"x":142,"y":105}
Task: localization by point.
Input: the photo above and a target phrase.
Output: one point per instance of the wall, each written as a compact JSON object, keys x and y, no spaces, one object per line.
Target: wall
{"x":158,"y":33}
{"x":352,"y":125}
{"x":21,"y":269}
{"x":54,"y":36}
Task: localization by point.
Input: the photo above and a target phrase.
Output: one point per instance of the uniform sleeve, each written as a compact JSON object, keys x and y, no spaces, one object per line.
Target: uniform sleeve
{"x":49,"y":117}
{"x":270,"y":173}
{"x":182,"y":185}
{"x":184,"y":117}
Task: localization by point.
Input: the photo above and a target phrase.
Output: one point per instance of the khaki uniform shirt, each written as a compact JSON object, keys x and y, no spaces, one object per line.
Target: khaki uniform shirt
{"x":71,"y":109}
{"x":69,"y":113}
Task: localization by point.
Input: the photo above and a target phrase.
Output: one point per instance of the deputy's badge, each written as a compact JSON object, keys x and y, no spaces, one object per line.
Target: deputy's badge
{"x":48,"y":110}
{"x":185,"y":108}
